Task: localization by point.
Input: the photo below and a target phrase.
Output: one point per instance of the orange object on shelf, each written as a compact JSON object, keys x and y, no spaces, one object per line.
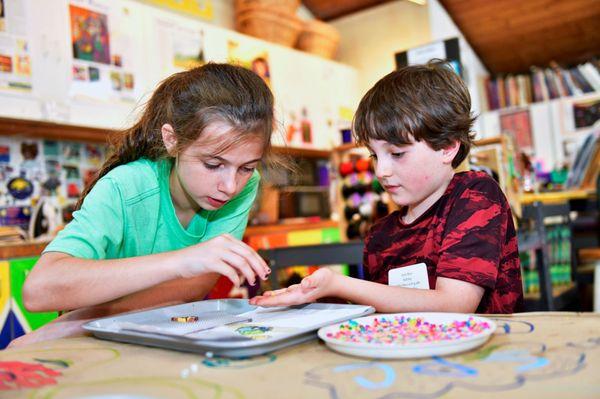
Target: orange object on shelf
{"x":319,"y":38}
{"x":269,"y":23}
{"x":288,"y":6}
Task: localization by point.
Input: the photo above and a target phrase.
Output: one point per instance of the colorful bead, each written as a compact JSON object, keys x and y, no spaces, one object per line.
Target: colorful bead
{"x":409,"y":330}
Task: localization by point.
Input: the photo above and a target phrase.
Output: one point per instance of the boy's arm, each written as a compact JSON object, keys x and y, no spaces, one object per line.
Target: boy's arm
{"x":449,"y":295}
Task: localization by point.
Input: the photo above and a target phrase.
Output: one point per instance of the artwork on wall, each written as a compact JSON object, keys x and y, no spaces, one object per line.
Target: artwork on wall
{"x":104,"y":59}
{"x":15,"y":59}
{"x":180,"y":47}
{"x":2,"y":23}
{"x":195,"y":8}
{"x":448,"y":50}
{"x":253,"y":57}
{"x":89,"y":35}
{"x":518,"y":125}
{"x":33,"y":170}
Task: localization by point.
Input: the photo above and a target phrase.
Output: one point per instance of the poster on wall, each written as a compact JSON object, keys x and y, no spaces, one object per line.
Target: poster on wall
{"x":194,"y":8}
{"x":448,"y":50}
{"x":251,"y":56}
{"x":518,"y":125}
{"x":103,"y":54}
{"x":15,"y":59}
{"x":34,"y":170}
{"x":180,"y":47}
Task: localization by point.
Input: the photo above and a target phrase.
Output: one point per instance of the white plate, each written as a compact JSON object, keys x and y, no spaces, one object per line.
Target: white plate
{"x":412,"y":350}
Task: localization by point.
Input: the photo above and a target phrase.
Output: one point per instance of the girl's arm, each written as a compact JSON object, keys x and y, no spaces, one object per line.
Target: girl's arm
{"x":63,"y":282}
{"x":167,"y":293}
{"x":449,"y":295}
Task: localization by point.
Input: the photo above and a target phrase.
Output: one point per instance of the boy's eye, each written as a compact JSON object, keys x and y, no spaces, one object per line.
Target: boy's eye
{"x":398,"y":154}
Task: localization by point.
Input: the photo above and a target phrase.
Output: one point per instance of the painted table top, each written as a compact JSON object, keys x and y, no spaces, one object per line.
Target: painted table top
{"x":549,"y":355}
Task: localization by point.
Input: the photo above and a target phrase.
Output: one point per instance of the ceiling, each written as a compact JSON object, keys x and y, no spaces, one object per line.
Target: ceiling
{"x":512,"y":35}
{"x":326,"y":10}
{"x":509,"y":36}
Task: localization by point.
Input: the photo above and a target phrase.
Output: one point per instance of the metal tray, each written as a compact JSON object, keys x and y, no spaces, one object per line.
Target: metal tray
{"x":268,"y":329}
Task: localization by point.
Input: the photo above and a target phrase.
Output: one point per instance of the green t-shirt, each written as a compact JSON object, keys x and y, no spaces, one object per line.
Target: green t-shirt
{"x":129,"y":212}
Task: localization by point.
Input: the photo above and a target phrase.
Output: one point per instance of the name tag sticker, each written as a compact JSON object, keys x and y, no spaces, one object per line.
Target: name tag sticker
{"x":413,"y":276}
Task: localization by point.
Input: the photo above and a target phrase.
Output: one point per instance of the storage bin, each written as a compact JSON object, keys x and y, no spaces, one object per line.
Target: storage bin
{"x":269,"y":23}
{"x":319,"y":38}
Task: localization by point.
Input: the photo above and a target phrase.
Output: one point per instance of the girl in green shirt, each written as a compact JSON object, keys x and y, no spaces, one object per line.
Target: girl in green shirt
{"x":166,"y":215}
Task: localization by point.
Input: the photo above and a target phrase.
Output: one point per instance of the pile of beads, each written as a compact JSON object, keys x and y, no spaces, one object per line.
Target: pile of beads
{"x":407,"y":330}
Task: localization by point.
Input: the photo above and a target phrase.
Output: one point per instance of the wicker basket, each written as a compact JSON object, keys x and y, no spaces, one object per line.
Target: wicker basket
{"x":286,"y":6}
{"x":269,"y":24}
{"x":319,"y":38}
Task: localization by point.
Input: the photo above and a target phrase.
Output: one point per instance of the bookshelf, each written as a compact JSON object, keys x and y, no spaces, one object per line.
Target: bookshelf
{"x":541,"y":84}
{"x":550,"y":127}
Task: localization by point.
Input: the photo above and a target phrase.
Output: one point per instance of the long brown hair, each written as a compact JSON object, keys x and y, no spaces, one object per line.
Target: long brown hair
{"x":425,"y":102}
{"x":190,"y":101}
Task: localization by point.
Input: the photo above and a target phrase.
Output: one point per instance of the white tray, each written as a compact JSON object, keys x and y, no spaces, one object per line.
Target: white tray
{"x":412,"y":350}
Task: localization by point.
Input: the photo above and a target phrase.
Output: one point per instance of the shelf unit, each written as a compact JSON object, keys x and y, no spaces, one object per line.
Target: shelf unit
{"x":64,"y":132}
{"x":549,"y":298}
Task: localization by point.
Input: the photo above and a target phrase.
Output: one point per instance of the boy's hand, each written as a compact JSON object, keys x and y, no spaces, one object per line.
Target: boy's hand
{"x":317,"y":285}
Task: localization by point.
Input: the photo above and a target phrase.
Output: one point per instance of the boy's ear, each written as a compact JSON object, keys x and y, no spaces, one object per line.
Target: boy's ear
{"x":169,"y":138}
{"x":450,"y":152}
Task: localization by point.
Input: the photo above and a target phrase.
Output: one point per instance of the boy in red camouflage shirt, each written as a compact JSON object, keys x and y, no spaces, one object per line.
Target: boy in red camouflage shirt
{"x":416,"y":123}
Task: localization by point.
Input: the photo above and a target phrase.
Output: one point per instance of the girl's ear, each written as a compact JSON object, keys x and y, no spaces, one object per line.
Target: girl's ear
{"x":450,"y":152}
{"x":169,"y":139}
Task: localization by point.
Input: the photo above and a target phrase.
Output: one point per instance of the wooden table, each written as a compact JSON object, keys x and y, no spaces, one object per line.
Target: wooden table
{"x":532,"y":355}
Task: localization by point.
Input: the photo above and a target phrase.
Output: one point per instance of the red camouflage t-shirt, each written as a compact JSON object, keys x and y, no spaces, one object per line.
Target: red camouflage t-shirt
{"x":468,"y":235}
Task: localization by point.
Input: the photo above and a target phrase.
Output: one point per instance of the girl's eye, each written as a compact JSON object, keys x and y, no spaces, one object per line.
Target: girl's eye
{"x":211,"y":166}
{"x":247,"y":169}
{"x":398,"y":154}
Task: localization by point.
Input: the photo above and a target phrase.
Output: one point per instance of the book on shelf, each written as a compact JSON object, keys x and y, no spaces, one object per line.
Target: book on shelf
{"x":541,"y":84}
{"x":586,"y":113}
{"x":591,"y":74}
{"x":586,"y":164}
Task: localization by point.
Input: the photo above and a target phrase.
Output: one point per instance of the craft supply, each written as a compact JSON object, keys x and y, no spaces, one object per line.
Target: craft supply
{"x":409,"y":335}
{"x":184,"y":319}
{"x":183,"y":328}
{"x":402,"y":330}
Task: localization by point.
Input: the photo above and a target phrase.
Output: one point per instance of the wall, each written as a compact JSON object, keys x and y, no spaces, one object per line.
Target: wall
{"x":369,"y":39}
{"x":372,"y":37}
{"x":149,"y":39}
{"x":442,"y":27}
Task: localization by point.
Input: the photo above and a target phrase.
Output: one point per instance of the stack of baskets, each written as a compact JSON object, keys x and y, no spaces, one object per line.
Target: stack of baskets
{"x":276,"y":21}
{"x":271,"y":20}
{"x":319,"y":38}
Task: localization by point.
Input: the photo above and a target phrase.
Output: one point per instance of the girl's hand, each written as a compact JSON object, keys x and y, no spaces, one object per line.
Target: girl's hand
{"x":225,"y":255}
{"x":317,"y":285}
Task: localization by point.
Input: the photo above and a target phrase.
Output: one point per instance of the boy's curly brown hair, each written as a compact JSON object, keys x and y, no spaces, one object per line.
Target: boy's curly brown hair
{"x":418,"y":102}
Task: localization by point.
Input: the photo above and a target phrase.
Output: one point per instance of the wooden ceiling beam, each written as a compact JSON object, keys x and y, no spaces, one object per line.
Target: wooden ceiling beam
{"x":326,"y":10}
{"x":512,"y":35}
